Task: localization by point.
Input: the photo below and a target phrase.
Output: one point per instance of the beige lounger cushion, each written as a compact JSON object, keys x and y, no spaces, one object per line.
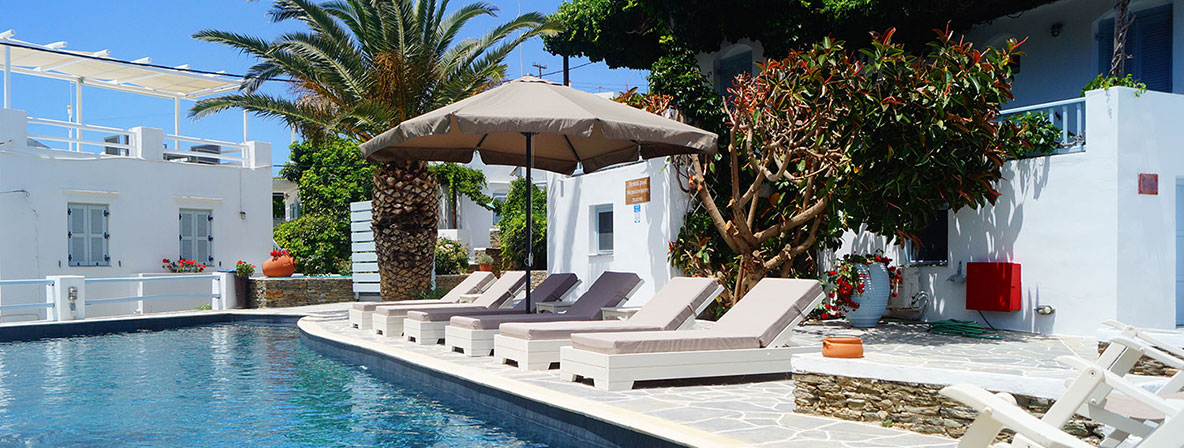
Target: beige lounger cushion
{"x":675,"y":303}
{"x":1130,"y":407}
{"x":563,"y":330}
{"x":550,"y":290}
{"x":610,"y":289}
{"x":501,"y":290}
{"x":662,"y":341}
{"x":763,"y":312}
{"x":474,"y":283}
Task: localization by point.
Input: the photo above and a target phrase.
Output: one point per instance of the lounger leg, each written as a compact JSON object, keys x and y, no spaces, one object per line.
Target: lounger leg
{"x":479,"y":353}
{"x":615,"y":385}
{"x":569,"y":377}
{"x":981,"y":433}
{"x":1114,"y":439}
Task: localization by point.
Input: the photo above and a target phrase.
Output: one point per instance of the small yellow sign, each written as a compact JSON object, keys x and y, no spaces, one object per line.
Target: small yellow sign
{"x":637,"y":191}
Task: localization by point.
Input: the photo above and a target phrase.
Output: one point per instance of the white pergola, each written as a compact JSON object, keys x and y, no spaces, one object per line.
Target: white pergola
{"x":99,"y":69}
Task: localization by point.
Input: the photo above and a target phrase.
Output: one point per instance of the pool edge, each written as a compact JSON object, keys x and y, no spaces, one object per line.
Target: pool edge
{"x":509,"y":395}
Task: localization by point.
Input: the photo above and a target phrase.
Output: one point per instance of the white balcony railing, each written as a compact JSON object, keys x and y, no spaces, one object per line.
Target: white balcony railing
{"x":1068,"y":115}
{"x":109,"y":141}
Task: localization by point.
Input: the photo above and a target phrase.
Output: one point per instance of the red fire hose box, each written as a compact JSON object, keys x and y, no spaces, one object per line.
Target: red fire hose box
{"x":993,"y":286}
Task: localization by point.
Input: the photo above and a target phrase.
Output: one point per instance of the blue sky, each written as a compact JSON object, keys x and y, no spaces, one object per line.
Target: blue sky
{"x":133,"y":29}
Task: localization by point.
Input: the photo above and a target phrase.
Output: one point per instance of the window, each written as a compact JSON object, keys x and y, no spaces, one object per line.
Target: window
{"x":729,"y":68}
{"x":197,"y":240}
{"x":1148,"y":44}
{"x":498,"y":197}
{"x":602,"y":228}
{"x":88,"y":234}
{"x":934,"y":245}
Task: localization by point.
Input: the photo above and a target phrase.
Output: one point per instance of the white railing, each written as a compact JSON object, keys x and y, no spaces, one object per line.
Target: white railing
{"x":75,"y":137}
{"x":66,"y":295}
{"x":1068,"y":115}
{"x":28,"y":306}
{"x":78,"y":137}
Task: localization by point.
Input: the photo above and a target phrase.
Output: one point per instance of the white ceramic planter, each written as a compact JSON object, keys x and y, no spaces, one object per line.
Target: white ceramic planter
{"x":874,"y":299}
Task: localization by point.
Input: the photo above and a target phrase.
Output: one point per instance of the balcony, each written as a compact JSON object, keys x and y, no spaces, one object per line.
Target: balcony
{"x":1067,"y":115}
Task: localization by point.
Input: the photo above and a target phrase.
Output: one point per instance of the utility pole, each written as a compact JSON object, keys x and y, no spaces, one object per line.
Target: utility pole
{"x":566,"y":73}
{"x":541,"y":67}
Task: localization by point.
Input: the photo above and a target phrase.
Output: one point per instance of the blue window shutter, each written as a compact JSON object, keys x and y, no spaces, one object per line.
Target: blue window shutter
{"x":1105,"y":45}
{"x":1152,"y":63}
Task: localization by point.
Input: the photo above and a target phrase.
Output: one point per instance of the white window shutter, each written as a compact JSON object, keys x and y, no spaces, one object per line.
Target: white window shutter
{"x":77,"y":234}
{"x":187,"y":232}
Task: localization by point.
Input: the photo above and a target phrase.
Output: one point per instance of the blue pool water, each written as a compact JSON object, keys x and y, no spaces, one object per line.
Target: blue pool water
{"x":221,"y":385}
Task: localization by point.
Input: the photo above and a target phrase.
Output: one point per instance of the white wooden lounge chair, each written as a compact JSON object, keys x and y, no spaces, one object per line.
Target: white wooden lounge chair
{"x":426,"y":327}
{"x":999,"y":411}
{"x":535,"y":345}
{"x":388,"y":320}
{"x":474,"y":335}
{"x":361,"y":313}
{"x":747,"y":340}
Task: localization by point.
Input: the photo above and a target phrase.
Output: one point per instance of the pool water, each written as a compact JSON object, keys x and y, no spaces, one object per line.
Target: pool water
{"x":221,"y":385}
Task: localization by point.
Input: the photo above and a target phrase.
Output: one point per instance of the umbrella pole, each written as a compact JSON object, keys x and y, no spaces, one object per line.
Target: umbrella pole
{"x":529,"y":215}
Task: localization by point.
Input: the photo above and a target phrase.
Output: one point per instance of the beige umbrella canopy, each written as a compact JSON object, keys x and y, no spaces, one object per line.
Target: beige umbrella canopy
{"x":533,"y":122}
{"x":567,"y":126}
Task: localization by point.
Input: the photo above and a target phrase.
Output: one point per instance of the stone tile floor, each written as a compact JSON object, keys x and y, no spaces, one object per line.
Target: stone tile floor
{"x":754,"y":410}
{"x":909,"y":344}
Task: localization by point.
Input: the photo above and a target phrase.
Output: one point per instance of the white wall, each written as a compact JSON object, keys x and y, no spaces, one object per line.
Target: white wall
{"x":474,"y":222}
{"x":143,"y":197}
{"x":639,"y":247}
{"x":1056,"y":68}
{"x":1087,"y":243}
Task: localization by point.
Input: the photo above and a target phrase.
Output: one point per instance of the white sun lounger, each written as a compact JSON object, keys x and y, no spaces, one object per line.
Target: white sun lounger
{"x":535,"y":345}
{"x":388,"y":320}
{"x":999,"y":411}
{"x":1102,"y":392}
{"x":474,"y":334}
{"x":747,"y":340}
{"x":361,"y":313}
{"x":426,"y":327}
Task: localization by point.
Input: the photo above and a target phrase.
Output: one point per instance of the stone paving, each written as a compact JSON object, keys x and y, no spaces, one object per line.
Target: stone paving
{"x":909,"y":344}
{"x":757,"y":410}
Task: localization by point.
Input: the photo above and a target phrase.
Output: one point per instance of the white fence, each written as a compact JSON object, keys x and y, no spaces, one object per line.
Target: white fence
{"x":1068,"y":115}
{"x":66,"y":295}
{"x":365,"y":260}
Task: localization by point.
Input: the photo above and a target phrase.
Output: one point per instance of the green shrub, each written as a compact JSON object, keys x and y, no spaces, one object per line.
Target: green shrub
{"x":433,"y":294}
{"x":452,"y":257}
{"x":1041,"y":137}
{"x":1106,"y":82}
{"x":513,"y":226}
{"x":319,"y":243}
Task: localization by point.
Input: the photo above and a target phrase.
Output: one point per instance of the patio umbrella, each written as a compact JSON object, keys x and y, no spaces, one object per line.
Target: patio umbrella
{"x":532,"y":122}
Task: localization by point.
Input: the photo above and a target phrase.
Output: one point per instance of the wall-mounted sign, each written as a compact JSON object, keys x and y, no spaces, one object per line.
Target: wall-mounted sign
{"x":637,"y":191}
{"x":1148,"y":183}
{"x":637,"y":214}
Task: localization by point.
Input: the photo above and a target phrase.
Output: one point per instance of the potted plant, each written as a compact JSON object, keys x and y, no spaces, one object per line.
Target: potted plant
{"x":281,"y":264}
{"x":182,"y":266}
{"x":858,"y":288}
{"x":242,"y":274}
{"x":485,"y":262}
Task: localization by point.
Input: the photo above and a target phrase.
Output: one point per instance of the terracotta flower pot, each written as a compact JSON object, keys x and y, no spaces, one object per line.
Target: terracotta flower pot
{"x":281,"y":266}
{"x":485,"y":267}
{"x":842,"y":347}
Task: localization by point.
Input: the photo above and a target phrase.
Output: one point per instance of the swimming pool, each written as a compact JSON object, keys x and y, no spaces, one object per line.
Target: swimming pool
{"x":216,"y":385}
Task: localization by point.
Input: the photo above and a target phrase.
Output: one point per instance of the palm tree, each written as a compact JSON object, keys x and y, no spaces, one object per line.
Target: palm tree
{"x":362,"y":67}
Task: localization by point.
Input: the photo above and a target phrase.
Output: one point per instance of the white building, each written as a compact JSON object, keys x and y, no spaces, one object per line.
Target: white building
{"x":1090,"y":246}
{"x":285,"y":201}
{"x":79,"y":199}
{"x":476,"y":226}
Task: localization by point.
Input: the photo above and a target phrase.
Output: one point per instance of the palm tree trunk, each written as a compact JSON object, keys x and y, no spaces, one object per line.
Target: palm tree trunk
{"x":405,"y":215}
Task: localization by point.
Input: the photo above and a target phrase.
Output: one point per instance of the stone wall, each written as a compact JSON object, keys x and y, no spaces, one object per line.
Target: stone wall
{"x":277,"y":292}
{"x":447,"y":282}
{"x":912,"y":406}
{"x":1145,"y":366}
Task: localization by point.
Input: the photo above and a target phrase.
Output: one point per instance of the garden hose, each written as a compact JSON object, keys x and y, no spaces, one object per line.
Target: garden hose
{"x":963,"y":328}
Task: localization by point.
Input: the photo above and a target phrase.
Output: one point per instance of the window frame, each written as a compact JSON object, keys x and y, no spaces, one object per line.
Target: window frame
{"x":496,"y":219}
{"x":208,"y":241}
{"x":597,"y":232}
{"x":87,"y":259}
{"x":911,"y":249}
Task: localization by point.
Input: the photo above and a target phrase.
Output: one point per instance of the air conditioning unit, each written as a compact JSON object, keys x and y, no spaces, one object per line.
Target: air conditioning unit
{"x":113,"y":150}
{"x":208,"y":149}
